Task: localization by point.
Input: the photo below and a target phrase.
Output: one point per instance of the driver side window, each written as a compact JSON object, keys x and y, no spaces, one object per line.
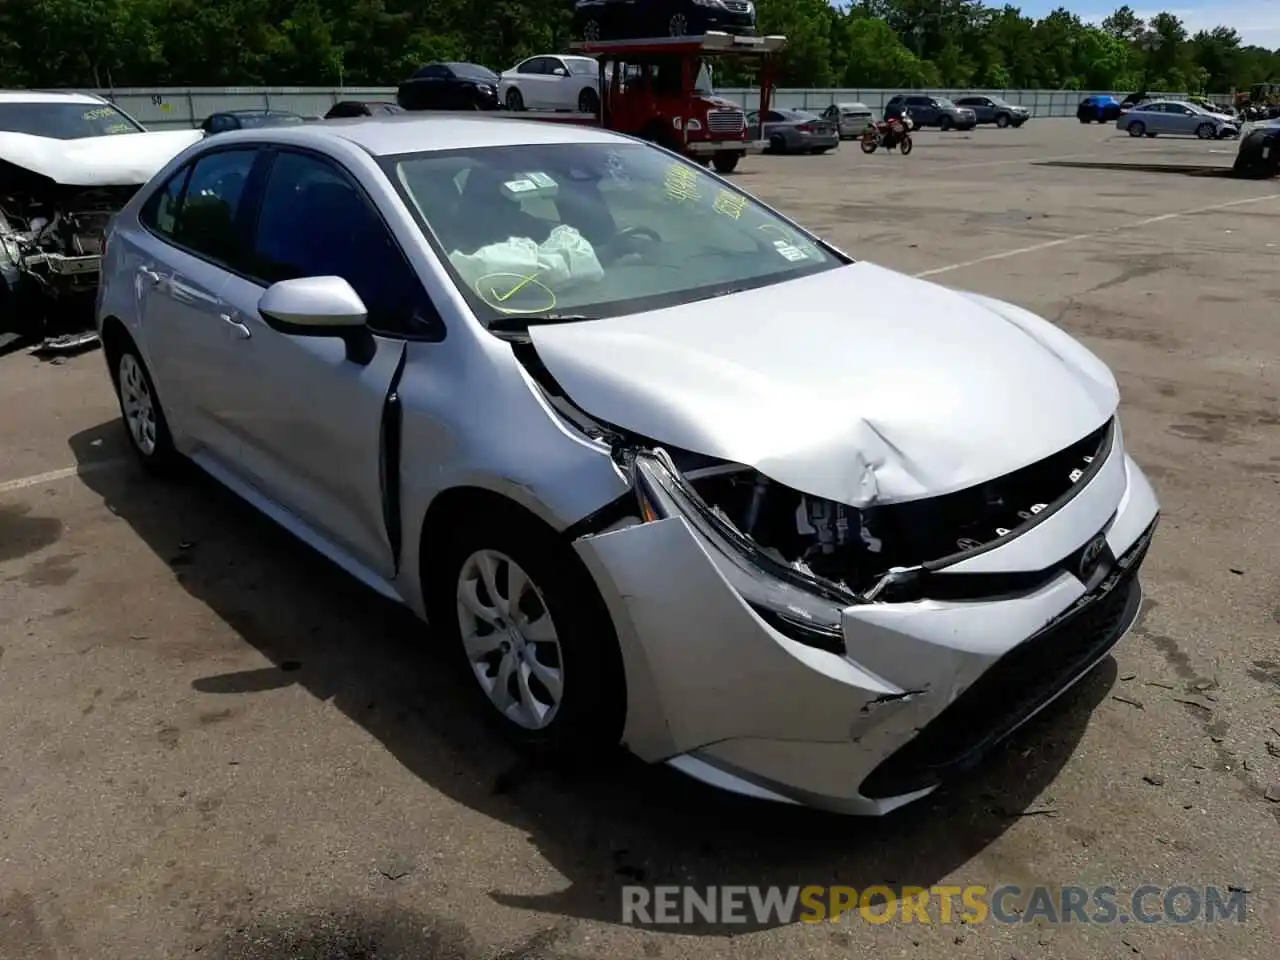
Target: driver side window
{"x":315,"y":221}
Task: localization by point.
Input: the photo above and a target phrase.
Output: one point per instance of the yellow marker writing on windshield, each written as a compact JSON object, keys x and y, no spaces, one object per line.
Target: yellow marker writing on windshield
{"x":681,"y":183}
{"x":729,"y":204}
{"x":537,"y":296}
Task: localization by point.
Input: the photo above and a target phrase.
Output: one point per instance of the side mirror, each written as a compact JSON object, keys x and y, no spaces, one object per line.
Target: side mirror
{"x":560,"y":72}
{"x":320,"y":307}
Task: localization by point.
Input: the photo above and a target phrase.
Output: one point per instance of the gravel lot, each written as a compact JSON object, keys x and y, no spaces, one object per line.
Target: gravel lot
{"x":213,"y":744}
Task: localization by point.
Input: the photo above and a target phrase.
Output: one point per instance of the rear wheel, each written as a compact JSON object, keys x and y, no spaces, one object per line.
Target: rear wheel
{"x":678,"y":25}
{"x":515,"y":99}
{"x":591,"y":30}
{"x":140,"y":409}
{"x":1137,"y":128}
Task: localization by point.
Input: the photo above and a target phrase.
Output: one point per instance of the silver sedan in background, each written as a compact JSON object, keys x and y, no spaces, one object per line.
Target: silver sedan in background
{"x":794,"y":131}
{"x":1178,"y":118}
{"x":644,"y":452}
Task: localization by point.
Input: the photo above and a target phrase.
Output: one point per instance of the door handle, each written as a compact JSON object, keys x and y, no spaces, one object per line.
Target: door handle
{"x":150,"y":275}
{"x":238,"y":329}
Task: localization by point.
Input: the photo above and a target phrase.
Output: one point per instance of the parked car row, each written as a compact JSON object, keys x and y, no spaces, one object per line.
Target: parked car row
{"x":226,"y":120}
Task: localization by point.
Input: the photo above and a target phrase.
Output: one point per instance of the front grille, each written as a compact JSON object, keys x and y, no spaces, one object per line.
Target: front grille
{"x":726,"y":121}
{"x":737,"y":6}
{"x":1016,"y":685}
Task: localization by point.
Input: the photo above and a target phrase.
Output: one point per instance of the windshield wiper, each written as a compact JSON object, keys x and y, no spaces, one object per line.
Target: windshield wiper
{"x":510,"y":324}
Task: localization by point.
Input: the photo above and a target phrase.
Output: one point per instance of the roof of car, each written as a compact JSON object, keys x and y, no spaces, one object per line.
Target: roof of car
{"x":390,"y":134}
{"x":46,"y":96}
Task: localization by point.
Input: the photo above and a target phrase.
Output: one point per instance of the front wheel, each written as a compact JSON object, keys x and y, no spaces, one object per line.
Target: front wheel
{"x":906,"y":145}
{"x":1002,"y":121}
{"x":726,"y":161}
{"x":532,"y":633}
{"x":1206,"y":131}
{"x":515,"y":100}
{"x":869,"y":144}
{"x":778,"y":143}
{"x":588,"y":101}
{"x":945,"y":124}
{"x":140,"y":409}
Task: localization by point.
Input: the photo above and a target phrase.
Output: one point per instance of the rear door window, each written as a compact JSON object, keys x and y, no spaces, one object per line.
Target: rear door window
{"x":199,"y":210}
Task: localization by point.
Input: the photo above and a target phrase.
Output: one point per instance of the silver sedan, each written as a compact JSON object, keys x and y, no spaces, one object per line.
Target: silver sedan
{"x":1176,"y":117}
{"x":643,"y":451}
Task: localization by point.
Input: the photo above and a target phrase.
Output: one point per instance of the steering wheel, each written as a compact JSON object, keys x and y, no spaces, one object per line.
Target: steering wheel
{"x":638,"y":231}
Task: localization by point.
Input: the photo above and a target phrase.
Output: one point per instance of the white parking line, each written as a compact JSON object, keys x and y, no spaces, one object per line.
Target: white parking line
{"x":1061,"y":241}
{"x":53,"y":476}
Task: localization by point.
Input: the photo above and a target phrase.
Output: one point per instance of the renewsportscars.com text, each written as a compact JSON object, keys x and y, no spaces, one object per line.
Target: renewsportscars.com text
{"x":1147,"y":904}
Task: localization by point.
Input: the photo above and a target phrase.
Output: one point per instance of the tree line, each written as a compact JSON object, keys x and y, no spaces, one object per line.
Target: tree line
{"x":866,"y":43}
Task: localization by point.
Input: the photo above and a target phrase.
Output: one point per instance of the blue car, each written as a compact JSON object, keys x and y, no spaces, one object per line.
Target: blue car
{"x":1098,"y":110}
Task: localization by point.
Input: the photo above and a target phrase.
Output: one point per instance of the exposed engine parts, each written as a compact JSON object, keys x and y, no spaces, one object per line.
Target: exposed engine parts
{"x":855,"y":548}
{"x":51,"y":240}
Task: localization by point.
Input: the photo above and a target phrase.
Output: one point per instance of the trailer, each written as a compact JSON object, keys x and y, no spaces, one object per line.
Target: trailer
{"x":660,"y":89}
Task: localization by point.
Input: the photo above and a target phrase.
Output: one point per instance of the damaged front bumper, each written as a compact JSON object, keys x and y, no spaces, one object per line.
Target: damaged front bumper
{"x":737,"y":676}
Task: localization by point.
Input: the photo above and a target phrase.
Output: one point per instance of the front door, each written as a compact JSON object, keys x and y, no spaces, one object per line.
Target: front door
{"x":190,"y":233}
{"x":311,"y":417}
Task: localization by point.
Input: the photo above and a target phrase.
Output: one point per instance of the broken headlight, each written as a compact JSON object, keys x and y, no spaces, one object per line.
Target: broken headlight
{"x":803,"y":608}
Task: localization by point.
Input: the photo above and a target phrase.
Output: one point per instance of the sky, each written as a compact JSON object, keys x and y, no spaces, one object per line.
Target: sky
{"x":1257,"y":21}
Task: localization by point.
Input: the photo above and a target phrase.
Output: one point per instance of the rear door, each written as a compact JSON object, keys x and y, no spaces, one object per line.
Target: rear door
{"x":193,"y":229}
{"x":310,"y":417}
{"x":532,"y":82}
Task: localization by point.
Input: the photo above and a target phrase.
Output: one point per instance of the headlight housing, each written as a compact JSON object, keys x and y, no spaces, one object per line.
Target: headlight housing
{"x":804,"y":609}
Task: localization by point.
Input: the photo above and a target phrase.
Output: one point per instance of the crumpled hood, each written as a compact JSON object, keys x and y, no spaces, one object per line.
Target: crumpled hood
{"x":127,"y":159}
{"x":857,"y":385}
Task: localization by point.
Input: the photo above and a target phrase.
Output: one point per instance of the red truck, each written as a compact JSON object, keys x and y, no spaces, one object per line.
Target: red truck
{"x":660,"y":89}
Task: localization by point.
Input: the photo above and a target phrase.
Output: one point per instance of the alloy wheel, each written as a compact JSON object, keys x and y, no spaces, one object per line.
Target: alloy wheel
{"x":678,"y":25}
{"x":137,"y":404}
{"x":591,"y":30}
{"x":510,"y":640}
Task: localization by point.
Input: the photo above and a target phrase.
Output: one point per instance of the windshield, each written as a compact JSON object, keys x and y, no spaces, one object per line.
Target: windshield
{"x":702,"y":83}
{"x":589,"y":230}
{"x":472,"y":71}
{"x":65,"y":121}
{"x":583,"y":68}
{"x":944,"y":102}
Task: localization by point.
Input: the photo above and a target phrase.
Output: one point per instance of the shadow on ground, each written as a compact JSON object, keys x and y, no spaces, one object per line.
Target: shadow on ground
{"x":619,"y":823}
{"x":1186,"y":169}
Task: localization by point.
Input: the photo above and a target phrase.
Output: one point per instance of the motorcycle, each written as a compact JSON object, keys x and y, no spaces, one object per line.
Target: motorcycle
{"x":888,"y":133}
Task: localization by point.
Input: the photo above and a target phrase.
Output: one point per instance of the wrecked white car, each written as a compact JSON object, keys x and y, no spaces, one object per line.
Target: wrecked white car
{"x":663,"y":468}
{"x":68,"y":162}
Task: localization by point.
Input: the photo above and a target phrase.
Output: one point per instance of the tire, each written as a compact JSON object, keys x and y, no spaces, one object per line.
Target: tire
{"x":1137,"y":128}
{"x":678,"y":25}
{"x":906,"y":145}
{"x":726,"y":161}
{"x":558,"y":638}
{"x":591,"y":31}
{"x":514,"y":100}
{"x":869,"y":145}
{"x":778,"y":143}
{"x":140,"y":410}
{"x":588,"y":101}
{"x":1206,"y":131}
{"x":945,"y":124}
{"x":1002,"y":120}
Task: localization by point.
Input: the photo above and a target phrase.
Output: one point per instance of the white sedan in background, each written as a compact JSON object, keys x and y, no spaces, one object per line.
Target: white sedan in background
{"x":552,"y":83}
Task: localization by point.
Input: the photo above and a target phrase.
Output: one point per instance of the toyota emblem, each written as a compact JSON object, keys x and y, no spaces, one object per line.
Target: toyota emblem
{"x":1090,"y":555}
